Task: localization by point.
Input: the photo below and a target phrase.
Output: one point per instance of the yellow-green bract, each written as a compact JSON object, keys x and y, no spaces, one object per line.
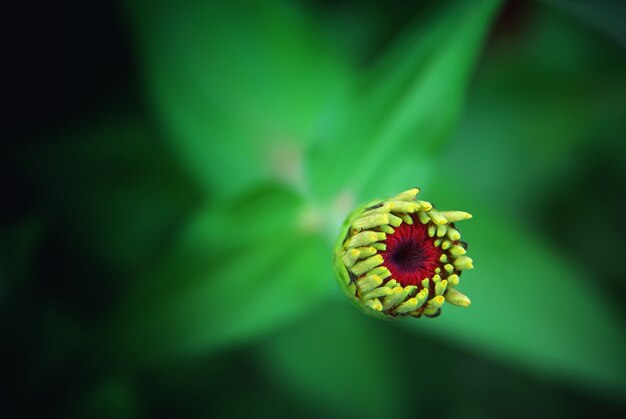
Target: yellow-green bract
{"x":400,"y":257}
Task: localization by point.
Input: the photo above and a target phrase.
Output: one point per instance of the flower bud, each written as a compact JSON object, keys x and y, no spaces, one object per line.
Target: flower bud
{"x":400,"y":257}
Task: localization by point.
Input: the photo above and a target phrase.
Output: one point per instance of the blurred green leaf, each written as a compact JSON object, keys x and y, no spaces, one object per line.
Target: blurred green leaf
{"x":339,"y":359}
{"x":531,"y":307}
{"x":111,"y":186}
{"x":607,"y":15}
{"x":528,"y":114}
{"x":543,"y":132}
{"x":239,"y":270}
{"x":234,"y":83}
{"x":533,"y":108}
{"x":417,"y":91}
{"x":212,"y":81}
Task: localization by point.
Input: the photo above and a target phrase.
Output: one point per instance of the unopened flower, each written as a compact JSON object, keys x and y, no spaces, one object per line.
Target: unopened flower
{"x":401,"y":257}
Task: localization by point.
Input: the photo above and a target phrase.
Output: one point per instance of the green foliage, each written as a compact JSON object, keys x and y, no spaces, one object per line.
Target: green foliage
{"x":230,"y":278}
{"x":406,"y":104}
{"x":230,"y":282}
{"x":209,"y":224}
{"x":353,"y":357}
{"x":535,"y":309}
{"x":233,"y":83}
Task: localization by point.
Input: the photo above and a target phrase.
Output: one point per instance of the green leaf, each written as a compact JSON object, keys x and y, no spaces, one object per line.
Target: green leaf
{"x":606,"y":15}
{"x":112,"y":188}
{"x":340,"y":359}
{"x":508,"y":141}
{"x":235,"y":83}
{"x":532,"y":308}
{"x":239,"y":270}
{"x":408,"y":105}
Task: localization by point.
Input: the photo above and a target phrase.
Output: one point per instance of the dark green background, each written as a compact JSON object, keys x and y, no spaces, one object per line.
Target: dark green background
{"x":174,"y":176}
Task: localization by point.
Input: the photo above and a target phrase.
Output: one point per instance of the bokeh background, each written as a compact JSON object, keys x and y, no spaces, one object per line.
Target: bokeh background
{"x":174,"y":174}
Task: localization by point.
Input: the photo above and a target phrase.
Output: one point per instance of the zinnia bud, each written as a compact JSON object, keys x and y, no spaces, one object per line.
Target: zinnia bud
{"x":401,"y":257}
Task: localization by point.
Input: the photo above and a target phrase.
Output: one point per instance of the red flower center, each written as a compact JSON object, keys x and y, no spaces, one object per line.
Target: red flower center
{"x":411,"y":255}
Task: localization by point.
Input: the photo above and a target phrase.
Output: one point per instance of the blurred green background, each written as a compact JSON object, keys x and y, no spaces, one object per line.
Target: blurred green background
{"x":174,"y":175}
